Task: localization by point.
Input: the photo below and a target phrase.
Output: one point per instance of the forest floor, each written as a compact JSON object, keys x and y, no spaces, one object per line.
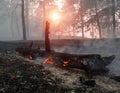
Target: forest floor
{"x":21,"y":75}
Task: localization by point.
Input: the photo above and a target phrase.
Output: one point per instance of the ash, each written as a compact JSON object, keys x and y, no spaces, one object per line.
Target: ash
{"x":21,"y":75}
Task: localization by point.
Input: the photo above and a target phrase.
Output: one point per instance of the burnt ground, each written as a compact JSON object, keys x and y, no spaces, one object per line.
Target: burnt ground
{"x":21,"y":75}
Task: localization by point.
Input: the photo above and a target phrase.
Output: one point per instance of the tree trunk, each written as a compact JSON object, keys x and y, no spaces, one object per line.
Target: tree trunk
{"x":82,"y":22}
{"x":82,"y":26}
{"x":113,"y":15}
{"x":23,"y":20}
{"x":97,"y":19}
{"x":47,"y":40}
{"x":27,"y":18}
{"x":44,"y":19}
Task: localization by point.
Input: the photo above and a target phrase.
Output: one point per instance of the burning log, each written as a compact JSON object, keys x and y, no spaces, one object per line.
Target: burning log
{"x":92,"y":63}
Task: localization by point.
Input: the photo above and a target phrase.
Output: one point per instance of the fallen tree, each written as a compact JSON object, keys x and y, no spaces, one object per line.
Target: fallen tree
{"x":91,"y":63}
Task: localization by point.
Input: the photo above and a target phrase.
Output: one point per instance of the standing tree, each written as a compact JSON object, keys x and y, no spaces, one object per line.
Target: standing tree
{"x":27,"y":18}
{"x":23,"y":19}
{"x":97,"y":19}
{"x":81,"y":17}
{"x":113,"y":15}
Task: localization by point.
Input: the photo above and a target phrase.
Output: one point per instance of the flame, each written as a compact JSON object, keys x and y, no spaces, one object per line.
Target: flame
{"x":65,"y":63}
{"x":30,"y":57}
{"x":48,"y":61}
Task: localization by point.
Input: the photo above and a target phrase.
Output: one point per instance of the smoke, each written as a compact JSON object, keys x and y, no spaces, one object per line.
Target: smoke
{"x":104,"y":47}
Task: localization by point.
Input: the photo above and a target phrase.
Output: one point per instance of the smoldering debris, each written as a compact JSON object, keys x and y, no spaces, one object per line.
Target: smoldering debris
{"x":91,"y":63}
{"x":19,"y":74}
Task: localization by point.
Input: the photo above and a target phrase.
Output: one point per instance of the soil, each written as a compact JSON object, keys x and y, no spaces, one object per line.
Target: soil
{"x":21,"y":75}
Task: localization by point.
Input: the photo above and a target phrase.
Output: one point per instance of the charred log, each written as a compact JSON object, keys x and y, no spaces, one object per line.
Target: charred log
{"x":116,"y":78}
{"x":92,"y":63}
{"x":28,"y":50}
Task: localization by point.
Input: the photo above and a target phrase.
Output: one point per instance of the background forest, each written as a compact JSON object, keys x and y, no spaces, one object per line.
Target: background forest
{"x":79,"y":19}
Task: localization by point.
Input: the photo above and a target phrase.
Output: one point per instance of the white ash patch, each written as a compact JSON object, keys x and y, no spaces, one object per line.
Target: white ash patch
{"x":107,"y":83}
{"x":69,"y":80}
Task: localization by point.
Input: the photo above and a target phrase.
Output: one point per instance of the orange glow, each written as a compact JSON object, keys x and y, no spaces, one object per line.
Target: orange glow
{"x":48,"y":61}
{"x":55,"y":16}
{"x":30,"y":57}
{"x":65,"y":63}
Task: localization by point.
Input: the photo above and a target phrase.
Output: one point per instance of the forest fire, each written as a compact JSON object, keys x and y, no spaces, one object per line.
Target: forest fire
{"x":95,"y":62}
{"x":60,"y":46}
{"x":50,"y":61}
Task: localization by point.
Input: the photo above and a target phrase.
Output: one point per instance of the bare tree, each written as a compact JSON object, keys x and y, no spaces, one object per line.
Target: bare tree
{"x":82,"y":22}
{"x":113,"y":15}
{"x":23,"y":19}
{"x":97,"y":19}
{"x":27,"y":18}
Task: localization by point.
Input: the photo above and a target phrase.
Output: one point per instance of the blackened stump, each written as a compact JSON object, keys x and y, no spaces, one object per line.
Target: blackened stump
{"x":47,"y":40}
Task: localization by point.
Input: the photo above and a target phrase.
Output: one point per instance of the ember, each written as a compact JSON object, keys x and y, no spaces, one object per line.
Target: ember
{"x":65,"y":63}
{"x":48,"y":61}
{"x":30,"y":57}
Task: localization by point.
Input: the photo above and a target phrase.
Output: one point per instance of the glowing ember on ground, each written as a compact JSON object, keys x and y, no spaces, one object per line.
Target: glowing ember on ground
{"x":48,"y":61}
{"x":65,"y":63}
{"x":30,"y":57}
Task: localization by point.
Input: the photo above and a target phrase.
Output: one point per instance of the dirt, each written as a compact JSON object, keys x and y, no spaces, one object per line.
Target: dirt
{"x":21,"y":75}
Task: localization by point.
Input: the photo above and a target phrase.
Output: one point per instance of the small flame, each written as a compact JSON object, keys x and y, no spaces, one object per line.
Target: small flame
{"x":65,"y":63}
{"x":48,"y":61}
{"x":30,"y":57}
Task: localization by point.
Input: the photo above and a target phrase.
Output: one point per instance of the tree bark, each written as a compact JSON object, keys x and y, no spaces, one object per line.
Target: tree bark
{"x":44,"y":19}
{"x":23,"y":19}
{"x":82,"y":21}
{"x":47,"y":40}
{"x":27,"y":18}
{"x":82,"y":26}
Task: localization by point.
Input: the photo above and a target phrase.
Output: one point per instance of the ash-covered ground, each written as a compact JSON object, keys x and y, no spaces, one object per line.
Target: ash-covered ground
{"x":21,"y":75}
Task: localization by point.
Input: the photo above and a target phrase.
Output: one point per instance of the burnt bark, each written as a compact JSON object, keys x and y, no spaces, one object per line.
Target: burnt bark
{"x":47,"y":40}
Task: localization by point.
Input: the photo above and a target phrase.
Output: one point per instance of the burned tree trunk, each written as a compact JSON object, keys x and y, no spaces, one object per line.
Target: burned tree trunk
{"x":47,"y":40}
{"x":91,"y":63}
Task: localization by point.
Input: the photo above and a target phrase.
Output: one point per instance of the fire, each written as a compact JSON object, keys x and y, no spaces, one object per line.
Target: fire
{"x":30,"y":57}
{"x":65,"y":63}
{"x":48,"y":61}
